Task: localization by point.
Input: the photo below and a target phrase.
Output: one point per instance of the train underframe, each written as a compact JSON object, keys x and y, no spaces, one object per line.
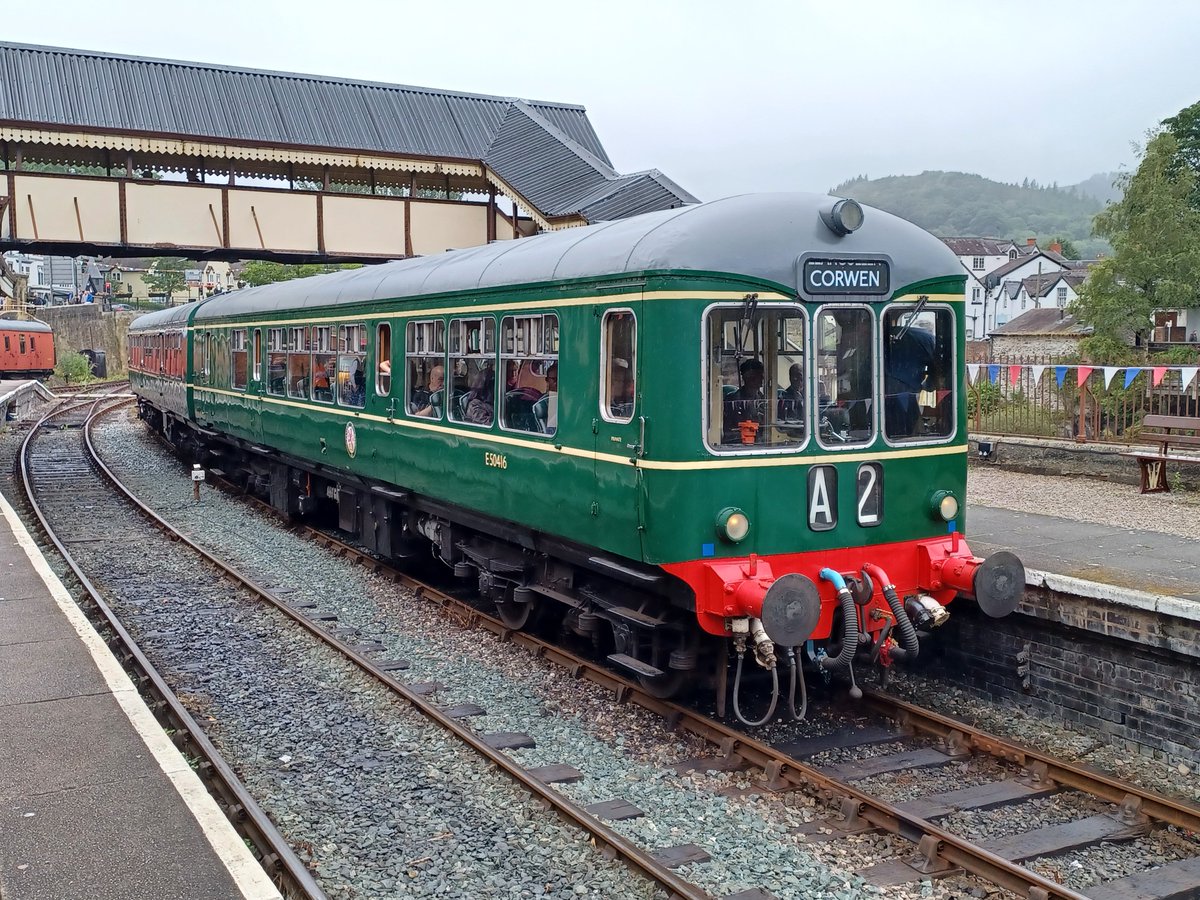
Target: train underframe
{"x":642,"y":618}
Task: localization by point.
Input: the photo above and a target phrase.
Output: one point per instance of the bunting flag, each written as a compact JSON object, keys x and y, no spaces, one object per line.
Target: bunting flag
{"x":1060,"y":374}
{"x":1131,"y":374}
{"x":994,"y":374}
{"x":1037,"y":374}
{"x":972,"y":372}
{"x":1188,"y":374}
{"x":1014,"y":374}
{"x":1159,"y":372}
{"x":1110,"y":372}
{"x":1083,"y":372}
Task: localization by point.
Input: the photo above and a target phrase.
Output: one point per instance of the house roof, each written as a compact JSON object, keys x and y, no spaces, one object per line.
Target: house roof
{"x":1043,"y":322}
{"x":996,"y":276}
{"x":548,"y":152}
{"x":979,"y":246}
{"x":1042,"y":285}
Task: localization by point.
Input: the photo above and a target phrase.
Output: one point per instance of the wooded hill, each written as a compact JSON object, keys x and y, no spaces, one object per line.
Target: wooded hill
{"x":952,"y":204}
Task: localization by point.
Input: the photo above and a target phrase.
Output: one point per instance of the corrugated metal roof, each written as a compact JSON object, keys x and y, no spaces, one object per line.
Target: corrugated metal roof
{"x":760,"y":236}
{"x":548,"y":152}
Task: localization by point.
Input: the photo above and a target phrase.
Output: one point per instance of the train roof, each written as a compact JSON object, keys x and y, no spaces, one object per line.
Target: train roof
{"x":166,"y":318}
{"x":24,"y":325}
{"x":759,"y":236}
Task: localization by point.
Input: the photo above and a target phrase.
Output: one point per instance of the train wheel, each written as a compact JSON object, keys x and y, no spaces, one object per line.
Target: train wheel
{"x":513,"y":614}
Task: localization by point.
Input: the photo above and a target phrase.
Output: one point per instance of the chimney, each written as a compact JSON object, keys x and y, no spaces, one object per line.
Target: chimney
{"x":1030,"y":242}
{"x":1056,"y":247}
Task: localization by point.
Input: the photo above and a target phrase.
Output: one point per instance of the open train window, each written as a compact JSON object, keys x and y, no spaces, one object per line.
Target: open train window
{"x":425,"y":368}
{"x":918,"y":373}
{"x":21,"y":342}
{"x":238,"y":356}
{"x":383,"y":359}
{"x":757,"y":380}
{"x":298,"y":368}
{"x":845,"y":358}
{"x":276,"y":361}
{"x":529,"y":357}
{"x":352,"y":366}
{"x":472,"y":371}
{"x":618,"y":356}
{"x":324,"y":364}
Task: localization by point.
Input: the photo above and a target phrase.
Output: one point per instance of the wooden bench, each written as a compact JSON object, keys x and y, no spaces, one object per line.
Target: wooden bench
{"x":1154,"y":465}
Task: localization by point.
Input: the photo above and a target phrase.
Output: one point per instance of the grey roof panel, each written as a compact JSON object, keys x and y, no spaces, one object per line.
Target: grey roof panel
{"x":548,"y":152}
{"x":760,"y":236}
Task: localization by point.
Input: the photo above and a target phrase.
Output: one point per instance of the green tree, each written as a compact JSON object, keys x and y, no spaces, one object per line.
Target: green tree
{"x":166,"y":276}
{"x":1155,"y":234}
{"x":261,"y":271}
{"x":1185,"y":127}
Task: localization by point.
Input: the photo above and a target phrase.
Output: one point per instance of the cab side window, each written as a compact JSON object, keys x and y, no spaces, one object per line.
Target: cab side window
{"x":473,"y":371}
{"x":425,"y":355}
{"x":918,"y":373}
{"x":239,"y":359}
{"x":529,"y":357}
{"x":618,"y":379}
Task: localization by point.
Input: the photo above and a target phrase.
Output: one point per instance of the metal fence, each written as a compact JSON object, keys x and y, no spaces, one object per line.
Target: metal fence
{"x":1042,"y":397}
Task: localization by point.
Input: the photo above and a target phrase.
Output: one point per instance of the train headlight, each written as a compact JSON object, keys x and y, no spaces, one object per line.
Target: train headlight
{"x":944,"y":506}
{"x":732,"y":524}
{"x":843,"y":217}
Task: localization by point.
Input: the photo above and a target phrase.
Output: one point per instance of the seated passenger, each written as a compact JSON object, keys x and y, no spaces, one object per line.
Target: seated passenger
{"x":478,"y":403}
{"x":909,"y":364}
{"x":427,"y":401}
{"x":621,"y":389}
{"x":791,"y":398}
{"x":745,"y":405}
{"x":322,"y":381}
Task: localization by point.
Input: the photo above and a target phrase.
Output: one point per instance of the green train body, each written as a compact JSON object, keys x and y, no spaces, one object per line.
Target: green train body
{"x":622,"y":493}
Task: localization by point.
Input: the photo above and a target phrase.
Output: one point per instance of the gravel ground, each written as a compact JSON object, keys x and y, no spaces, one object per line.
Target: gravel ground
{"x":1088,"y":499}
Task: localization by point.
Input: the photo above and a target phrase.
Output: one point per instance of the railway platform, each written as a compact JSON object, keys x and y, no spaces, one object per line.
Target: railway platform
{"x":95,"y":801}
{"x":1102,"y":561}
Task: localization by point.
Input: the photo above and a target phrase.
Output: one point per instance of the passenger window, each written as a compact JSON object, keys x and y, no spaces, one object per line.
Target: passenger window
{"x":258,"y":354}
{"x":529,"y":354}
{"x":33,"y":343}
{"x":845,"y":376}
{"x":757,"y":383}
{"x":352,"y":366}
{"x":297,"y":363}
{"x":239,"y":364}
{"x":6,"y":344}
{"x":324,"y":364}
{"x":383,"y":359}
{"x":21,"y":341}
{"x":473,"y":371}
{"x":918,"y":367}
{"x":425,"y":352}
{"x":276,"y":361}
{"x":618,"y":380}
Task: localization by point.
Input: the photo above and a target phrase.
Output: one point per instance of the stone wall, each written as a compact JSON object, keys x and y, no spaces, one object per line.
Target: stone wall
{"x":1044,"y":456}
{"x":85,"y":326}
{"x":1104,"y":679}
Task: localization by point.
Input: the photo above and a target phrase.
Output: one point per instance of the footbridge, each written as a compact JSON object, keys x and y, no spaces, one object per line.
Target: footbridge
{"x":125,"y":156}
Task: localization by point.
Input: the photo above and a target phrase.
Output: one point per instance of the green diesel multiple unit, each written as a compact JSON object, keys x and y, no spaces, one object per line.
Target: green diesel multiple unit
{"x":729,"y":421}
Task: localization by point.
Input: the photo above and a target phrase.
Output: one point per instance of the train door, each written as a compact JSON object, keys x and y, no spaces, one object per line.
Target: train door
{"x":620,"y":433}
{"x":258,"y":384}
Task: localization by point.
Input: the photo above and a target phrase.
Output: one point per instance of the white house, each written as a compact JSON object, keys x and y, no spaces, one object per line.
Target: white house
{"x":1003,"y":286}
{"x":1051,"y":290}
{"x":980,"y":257}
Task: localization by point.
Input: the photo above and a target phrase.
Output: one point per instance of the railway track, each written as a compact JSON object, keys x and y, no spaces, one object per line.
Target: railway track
{"x":938,"y":850}
{"x":59,"y":482}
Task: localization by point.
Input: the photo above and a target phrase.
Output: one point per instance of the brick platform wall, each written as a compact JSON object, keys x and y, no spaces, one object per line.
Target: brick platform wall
{"x":1100,"y":677}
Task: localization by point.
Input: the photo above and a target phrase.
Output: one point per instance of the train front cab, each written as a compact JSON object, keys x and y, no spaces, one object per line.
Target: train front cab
{"x":828,"y":512}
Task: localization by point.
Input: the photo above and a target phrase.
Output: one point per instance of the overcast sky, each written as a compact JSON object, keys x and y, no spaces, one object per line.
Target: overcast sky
{"x":730,"y":96}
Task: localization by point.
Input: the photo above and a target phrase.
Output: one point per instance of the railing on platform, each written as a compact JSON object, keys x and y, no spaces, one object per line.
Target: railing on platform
{"x":1040,"y":397}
